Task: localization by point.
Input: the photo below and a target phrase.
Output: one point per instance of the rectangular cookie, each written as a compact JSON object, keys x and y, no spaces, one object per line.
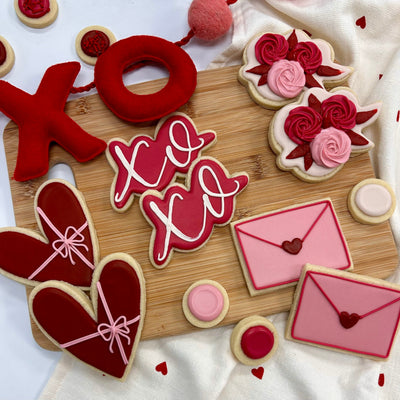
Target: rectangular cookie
{"x":274,"y":247}
{"x":345,"y":312}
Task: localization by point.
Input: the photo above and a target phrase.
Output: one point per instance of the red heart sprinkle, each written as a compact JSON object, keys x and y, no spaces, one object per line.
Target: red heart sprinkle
{"x":258,"y":372}
{"x":361,"y":22}
{"x":162,"y":367}
{"x":348,"y":320}
{"x":292,"y":247}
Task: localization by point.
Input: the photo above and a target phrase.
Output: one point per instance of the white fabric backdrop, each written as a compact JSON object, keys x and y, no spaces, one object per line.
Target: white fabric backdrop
{"x":200,"y":365}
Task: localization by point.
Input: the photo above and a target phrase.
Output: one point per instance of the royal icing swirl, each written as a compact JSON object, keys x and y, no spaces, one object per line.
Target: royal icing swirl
{"x":338,"y":111}
{"x":331,"y":148}
{"x":308,"y":55}
{"x":303,"y":124}
{"x":286,"y":78}
{"x":270,"y":48}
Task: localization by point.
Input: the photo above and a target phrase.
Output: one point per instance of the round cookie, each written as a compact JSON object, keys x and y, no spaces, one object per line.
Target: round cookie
{"x":372,"y":201}
{"x":7,"y":57}
{"x":36,"y":13}
{"x":254,"y":340}
{"x":205,"y":303}
{"x":93,"y":41}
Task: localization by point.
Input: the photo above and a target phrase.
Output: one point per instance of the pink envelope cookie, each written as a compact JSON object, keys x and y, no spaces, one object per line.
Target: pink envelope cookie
{"x":146,"y":163}
{"x":274,"y":247}
{"x":183,"y":217}
{"x":315,"y":137}
{"x":345,"y":312}
{"x":278,"y":68}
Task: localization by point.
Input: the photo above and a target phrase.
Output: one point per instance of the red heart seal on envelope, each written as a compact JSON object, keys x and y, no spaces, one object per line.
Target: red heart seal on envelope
{"x":103,"y":332}
{"x":66,"y":249}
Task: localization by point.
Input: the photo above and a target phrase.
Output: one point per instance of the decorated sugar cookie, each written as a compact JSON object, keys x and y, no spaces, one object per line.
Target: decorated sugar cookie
{"x":254,"y":340}
{"x":146,"y":163}
{"x":345,"y":312}
{"x":183,"y":217}
{"x":103,"y":331}
{"x":314,"y":138}
{"x":92,"y":41}
{"x":372,"y":201}
{"x":36,"y":13}
{"x":7,"y":57}
{"x":278,"y":68}
{"x":66,"y":248}
{"x":205,"y":303}
{"x":273,"y":247}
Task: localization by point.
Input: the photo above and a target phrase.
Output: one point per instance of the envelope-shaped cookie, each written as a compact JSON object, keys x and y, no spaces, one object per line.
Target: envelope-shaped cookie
{"x":274,"y":247}
{"x":345,"y":312}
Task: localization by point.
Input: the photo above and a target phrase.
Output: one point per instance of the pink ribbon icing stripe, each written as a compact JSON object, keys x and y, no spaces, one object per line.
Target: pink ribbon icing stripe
{"x":115,"y":329}
{"x":65,"y":245}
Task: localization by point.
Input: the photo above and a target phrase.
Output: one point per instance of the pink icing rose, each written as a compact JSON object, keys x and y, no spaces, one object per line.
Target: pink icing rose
{"x":303,"y":124}
{"x":308,"y":55}
{"x":286,"y":78}
{"x":338,"y":111}
{"x":330,"y":148}
{"x":270,"y":48}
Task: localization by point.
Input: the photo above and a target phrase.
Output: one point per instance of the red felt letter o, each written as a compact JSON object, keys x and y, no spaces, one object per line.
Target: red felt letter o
{"x":132,"y":107}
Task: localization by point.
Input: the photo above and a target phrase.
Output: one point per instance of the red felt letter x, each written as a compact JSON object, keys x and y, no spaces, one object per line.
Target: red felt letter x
{"x":41,"y":120}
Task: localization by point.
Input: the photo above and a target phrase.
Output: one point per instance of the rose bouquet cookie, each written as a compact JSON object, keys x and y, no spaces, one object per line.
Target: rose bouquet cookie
{"x":315,"y":137}
{"x":278,"y":68}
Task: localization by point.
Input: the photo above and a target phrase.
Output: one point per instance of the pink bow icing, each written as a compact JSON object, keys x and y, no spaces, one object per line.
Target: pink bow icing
{"x":114,"y":330}
{"x":65,"y":245}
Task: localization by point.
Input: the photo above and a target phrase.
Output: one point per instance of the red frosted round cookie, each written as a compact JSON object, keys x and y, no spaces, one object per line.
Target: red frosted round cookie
{"x":36,"y":13}
{"x":254,"y":340}
{"x":92,"y":41}
{"x":7,"y":57}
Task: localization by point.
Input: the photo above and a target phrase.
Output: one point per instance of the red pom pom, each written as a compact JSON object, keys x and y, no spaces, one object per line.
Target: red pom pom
{"x":209,"y":19}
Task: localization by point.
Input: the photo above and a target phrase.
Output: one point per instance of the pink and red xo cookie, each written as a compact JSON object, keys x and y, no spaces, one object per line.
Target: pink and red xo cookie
{"x":254,"y":340}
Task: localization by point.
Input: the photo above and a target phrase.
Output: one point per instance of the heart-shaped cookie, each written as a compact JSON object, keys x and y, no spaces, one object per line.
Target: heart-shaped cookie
{"x":66,"y":249}
{"x":103,"y":332}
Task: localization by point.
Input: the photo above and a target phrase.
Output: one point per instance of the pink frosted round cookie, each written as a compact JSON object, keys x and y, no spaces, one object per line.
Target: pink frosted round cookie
{"x":372,"y":201}
{"x":205,"y":303}
{"x":315,"y":137}
{"x":36,"y":13}
{"x":254,"y":340}
{"x":278,"y":68}
{"x":7,"y":57}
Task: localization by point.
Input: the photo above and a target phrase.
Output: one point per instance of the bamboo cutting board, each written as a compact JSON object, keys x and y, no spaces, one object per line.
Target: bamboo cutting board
{"x":220,"y":103}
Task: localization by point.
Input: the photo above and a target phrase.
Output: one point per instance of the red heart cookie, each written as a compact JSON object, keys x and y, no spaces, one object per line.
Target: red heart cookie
{"x":105,"y":332}
{"x":66,"y":250}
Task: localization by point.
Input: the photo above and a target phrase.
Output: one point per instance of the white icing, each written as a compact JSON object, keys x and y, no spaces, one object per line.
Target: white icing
{"x":373,"y":200}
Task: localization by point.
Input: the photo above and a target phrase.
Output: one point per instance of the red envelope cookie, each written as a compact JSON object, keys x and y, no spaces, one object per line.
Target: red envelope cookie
{"x":146,"y":163}
{"x":103,"y":332}
{"x":345,"y":312}
{"x":66,"y":248}
{"x":183,"y":217}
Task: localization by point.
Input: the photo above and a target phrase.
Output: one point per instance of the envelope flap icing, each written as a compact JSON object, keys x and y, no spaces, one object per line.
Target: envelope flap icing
{"x":351,"y":295}
{"x":285,"y":224}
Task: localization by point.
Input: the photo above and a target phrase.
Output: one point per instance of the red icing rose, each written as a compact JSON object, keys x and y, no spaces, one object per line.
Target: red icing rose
{"x":270,"y":48}
{"x":308,"y":55}
{"x":34,"y":8}
{"x":338,"y":111}
{"x":3,"y":53}
{"x":303,"y":124}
